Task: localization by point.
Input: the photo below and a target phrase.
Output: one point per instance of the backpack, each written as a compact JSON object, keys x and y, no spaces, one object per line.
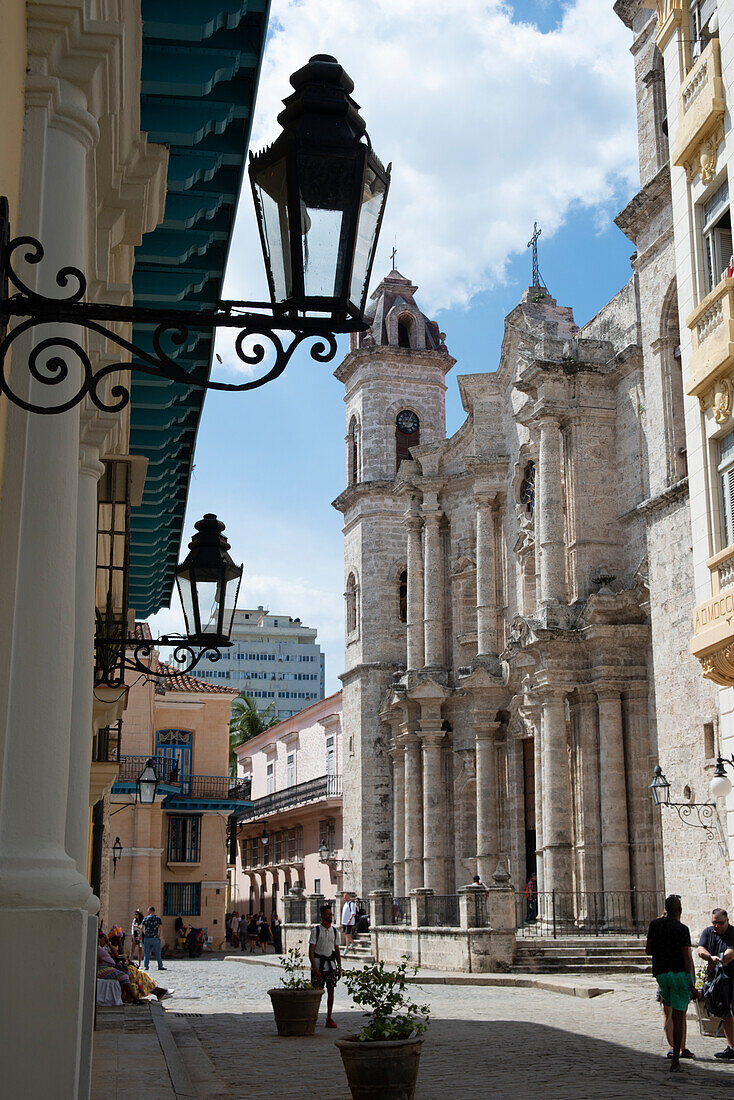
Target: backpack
{"x":717,"y":992}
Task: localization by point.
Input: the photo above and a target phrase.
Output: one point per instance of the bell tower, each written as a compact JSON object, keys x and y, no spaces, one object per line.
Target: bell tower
{"x":394,"y":392}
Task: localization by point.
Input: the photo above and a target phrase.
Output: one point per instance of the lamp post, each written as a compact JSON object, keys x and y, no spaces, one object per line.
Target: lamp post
{"x":116,"y":853}
{"x":147,"y":784}
{"x":319,"y":193}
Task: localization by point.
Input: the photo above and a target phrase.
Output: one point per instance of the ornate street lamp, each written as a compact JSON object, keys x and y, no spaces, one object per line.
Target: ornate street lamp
{"x":720,"y":782}
{"x":147,"y":784}
{"x":320,"y":196}
{"x":660,"y":788}
{"x":319,"y":193}
{"x":324,"y":851}
{"x":264,"y":838}
{"x":208,"y":583}
{"x":116,"y":853}
{"x":699,"y":815}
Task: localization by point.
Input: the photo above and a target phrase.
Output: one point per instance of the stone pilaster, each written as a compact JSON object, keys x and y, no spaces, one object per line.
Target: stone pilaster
{"x":613,"y":791}
{"x":415,"y":627}
{"x":397,"y":755}
{"x":642,"y":851}
{"x":486,"y":576}
{"x":551,"y":542}
{"x":433,"y":587}
{"x":556,"y":793}
{"x":588,"y":737}
{"x":485,"y":731}
{"x":413,"y":813}
{"x":432,"y":738}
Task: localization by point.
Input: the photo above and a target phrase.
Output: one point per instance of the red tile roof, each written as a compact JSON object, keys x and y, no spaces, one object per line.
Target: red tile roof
{"x":175,"y":680}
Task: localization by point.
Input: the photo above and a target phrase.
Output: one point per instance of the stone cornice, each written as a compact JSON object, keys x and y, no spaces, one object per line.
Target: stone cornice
{"x":361,"y":489}
{"x":370,"y":666}
{"x":648,"y":200}
{"x":361,"y":356}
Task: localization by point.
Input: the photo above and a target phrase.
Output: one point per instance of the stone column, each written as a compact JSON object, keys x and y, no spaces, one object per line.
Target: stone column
{"x":538,"y":777}
{"x":434,"y":808}
{"x":486,"y":577}
{"x":551,"y":543}
{"x":556,"y":797}
{"x":415,"y":629}
{"x":590,"y":797}
{"x":642,"y":851}
{"x":487,"y":793}
{"x":613,"y":791}
{"x":397,"y":755}
{"x":80,"y":754}
{"x":413,"y":813}
{"x":433,"y":581}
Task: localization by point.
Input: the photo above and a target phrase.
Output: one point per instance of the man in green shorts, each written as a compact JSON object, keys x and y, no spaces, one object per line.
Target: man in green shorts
{"x":669,"y":943}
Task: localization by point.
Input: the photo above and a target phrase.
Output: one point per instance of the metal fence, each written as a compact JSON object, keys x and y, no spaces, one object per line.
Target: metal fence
{"x":401,"y":910}
{"x":326,"y":786}
{"x":442,"y":911}
{"x":559,"y":913}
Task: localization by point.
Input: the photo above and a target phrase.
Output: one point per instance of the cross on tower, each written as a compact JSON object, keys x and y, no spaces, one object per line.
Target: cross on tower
{"x":533,"y":243}
{"x":394,"y":254}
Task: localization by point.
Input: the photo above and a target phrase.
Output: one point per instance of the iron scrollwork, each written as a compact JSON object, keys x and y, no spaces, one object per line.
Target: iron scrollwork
{"x":53,"y":360}
{"x":115,"y":657}
{"x":699,"y":815}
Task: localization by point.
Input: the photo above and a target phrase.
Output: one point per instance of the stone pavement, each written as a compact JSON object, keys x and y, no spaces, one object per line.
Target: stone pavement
{"x":483,"y":1041}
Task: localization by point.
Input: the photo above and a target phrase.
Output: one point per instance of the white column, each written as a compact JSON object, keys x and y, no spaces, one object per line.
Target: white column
{"x":415,"y":636}
{"x":549,"y":500}
{"x":413,"y":813}
{"x":433,"y":600}
{"x":613,"y":790}
{"x":487,"y":796}
{"x":486,"y":578}
{"x":80,"y":746}
{"x":556,"y":790}
{"x":397,"y":754}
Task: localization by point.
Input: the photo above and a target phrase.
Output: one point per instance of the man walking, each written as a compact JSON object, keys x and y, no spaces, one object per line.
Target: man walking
{"x":716,"y":944}
{"x":151,"y":939}
{"x":326,"y":963}
{"x":349,"y":916}
{"x":669,"y":943}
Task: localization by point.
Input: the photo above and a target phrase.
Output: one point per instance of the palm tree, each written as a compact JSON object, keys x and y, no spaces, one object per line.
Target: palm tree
{"x":245,"y":722}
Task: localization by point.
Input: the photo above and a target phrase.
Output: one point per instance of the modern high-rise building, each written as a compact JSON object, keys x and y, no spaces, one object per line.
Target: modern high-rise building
{"x":275,"y":659}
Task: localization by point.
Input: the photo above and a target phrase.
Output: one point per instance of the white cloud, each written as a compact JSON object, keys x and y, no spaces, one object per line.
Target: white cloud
{"x":489,"y":122}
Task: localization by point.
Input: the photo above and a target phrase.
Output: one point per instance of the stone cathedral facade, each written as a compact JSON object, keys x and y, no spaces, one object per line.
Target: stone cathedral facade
{"x":518,"y":596}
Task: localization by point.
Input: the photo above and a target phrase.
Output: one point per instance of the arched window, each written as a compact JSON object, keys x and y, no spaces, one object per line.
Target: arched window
{"x":403,"y":596}
{"x":351,"y":600}
{"x":407,"y":435}
{"x":353,"y":445}
{"x":405,"y":332}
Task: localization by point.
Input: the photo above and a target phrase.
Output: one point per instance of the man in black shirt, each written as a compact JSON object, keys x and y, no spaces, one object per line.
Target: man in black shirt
{"x":669,"y":943}
{"x":716,"y":944}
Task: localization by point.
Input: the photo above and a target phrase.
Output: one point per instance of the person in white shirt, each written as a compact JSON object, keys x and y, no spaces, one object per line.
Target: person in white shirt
{"x":349,"y":916}
{"x":326,"y":964}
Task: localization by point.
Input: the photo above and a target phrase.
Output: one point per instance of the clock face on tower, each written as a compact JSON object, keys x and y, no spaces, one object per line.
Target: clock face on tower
{"x":407,"y":422}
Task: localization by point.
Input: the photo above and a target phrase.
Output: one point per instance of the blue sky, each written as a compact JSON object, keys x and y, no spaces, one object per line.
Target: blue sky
{"x":492,"y":119}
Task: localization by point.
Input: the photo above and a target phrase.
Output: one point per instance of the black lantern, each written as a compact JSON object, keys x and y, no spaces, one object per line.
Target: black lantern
{"x":147,"y":784}
{"x":660,"y":788}
{"x":264,"y":838}
{"x":319,"y":195}
{"x":324,"y":851}
{"x":208,"y":582}
{"x":116,"y":853}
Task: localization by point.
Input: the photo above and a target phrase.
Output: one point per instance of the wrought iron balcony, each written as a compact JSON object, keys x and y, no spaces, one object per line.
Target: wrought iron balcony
{"x":315,"y":790}
{"x":219,"y":787}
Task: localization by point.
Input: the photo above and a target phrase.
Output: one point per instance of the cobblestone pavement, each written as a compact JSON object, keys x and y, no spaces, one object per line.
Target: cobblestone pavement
{"x":482,"y":1041}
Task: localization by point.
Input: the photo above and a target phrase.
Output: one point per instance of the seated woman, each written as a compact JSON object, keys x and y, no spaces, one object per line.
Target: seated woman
{"x":143,"y":984}
{"x":109,"y":970}
{"x":180,"y":931}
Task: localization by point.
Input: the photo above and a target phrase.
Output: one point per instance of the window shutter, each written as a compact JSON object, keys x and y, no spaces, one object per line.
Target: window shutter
{"x":728,"y":487}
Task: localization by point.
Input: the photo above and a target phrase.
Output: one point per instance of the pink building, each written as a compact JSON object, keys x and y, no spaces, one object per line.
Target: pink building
{"x":292,"y":834}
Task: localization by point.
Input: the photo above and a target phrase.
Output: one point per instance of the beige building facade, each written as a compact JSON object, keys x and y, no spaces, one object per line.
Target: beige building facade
{"x":290,"y":838}
{"x":518,"y":597}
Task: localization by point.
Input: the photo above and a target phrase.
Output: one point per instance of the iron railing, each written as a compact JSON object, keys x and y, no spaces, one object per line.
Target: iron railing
{"x":401,"y":910}
{"x":220,"y":787}
{"x":298,"y":912}
{"x":326,"y":786}
{"x":442,"y":911}
{"x":106,"y":744}
{"x":560,"y":913}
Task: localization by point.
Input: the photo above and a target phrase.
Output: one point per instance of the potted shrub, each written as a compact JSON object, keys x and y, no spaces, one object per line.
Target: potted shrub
{"x":382,"y":1059}
{"x":295,"y":1002}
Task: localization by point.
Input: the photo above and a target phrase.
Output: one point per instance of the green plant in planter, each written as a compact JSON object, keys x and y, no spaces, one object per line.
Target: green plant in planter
{"x":390,"y":1013}
{"x":294,"y":970}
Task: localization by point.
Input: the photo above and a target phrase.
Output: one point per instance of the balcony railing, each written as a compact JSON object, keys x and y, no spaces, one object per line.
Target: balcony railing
{"x":712,"y":349}
{"x":219,"y":787}
{"x":701,"y":115}
{"x":326,"y":786}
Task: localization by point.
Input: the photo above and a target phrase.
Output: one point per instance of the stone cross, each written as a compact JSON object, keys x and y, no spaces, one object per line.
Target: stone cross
{"x":394,"y":254}
{"x":533,"y":243}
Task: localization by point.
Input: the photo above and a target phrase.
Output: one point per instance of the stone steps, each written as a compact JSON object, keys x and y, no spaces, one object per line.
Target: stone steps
{"x":602,"y":955}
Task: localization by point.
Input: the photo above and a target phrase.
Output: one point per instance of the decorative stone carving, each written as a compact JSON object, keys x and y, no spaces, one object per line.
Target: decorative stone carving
{"x":722,"y":400}
{"x":719,"y":667}
{"x":703,"y":164}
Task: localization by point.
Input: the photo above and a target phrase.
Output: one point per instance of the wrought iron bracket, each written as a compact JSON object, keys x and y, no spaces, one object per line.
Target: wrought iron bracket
{"x":702,"y":811}
{"x":186,"y":655}
{"x":59,"y":358}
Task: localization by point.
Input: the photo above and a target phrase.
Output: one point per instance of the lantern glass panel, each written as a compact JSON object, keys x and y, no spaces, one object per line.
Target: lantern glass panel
{"x":327,"y":192}
{"x":373,"y":198}
{"x":209,"y":590}
{"x":186,"y":595}
{"x":233,"y":581}
{"x":272,"y":194}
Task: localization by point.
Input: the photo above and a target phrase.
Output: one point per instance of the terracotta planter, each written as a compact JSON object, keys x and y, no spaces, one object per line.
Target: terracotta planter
{"x":381,"y":1071}
{"x":296,"y":1010}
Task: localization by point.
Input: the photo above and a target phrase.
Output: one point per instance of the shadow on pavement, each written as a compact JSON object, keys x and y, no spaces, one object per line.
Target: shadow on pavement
{"x":461,"y":1060}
